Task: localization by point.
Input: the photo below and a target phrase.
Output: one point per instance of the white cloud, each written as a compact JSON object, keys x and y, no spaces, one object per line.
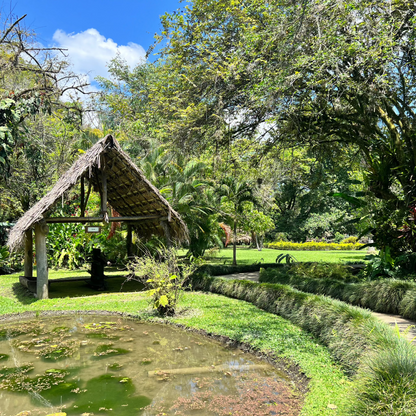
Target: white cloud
{"x":90,"y":52}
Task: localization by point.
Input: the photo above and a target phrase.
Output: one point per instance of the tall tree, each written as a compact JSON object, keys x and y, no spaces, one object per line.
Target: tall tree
{"x":235,"y":192}
{"x":319,"y":73}
{"x":36,"y":124}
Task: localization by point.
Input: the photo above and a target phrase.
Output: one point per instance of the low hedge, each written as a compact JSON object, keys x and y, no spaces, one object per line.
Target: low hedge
{"x":386,"y":296}
{"x":312,"y":245}
{"x":223,"y":269}
{"x":384,"y":364}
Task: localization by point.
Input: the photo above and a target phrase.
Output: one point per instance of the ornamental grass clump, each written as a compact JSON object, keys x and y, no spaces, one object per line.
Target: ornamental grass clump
{"x":162,"y":277}
{"x":386,"y":296}
{"x":386,"y":384}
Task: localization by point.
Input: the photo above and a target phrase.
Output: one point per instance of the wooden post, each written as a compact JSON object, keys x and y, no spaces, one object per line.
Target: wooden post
{"x":166,"y":229}
{"x":129,"y":240}
{"x":82,"y":197}
{"x":41,"y":231}
{"x":29,"y":254}
{"x":104,"y":197}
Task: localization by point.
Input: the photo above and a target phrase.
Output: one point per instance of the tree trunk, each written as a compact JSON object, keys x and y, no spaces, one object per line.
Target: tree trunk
{"x":235,"y":244}
{"x":257,"y":242}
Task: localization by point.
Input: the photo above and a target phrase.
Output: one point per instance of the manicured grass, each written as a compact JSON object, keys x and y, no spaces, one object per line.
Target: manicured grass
{"x":10,"y":286}
{"x":217,"y":314}
{"x":248,"y":256}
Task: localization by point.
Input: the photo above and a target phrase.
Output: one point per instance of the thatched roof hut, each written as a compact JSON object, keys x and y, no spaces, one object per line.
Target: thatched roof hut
{"x":109,"y":171}
{"x":128,"y":192}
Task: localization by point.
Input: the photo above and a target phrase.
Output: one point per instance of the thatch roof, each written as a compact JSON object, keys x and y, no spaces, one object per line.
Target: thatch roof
{"x":129,"y":193}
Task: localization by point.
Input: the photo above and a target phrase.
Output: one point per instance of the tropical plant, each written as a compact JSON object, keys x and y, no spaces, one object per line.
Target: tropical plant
{"x":163,"y":277}
{"x":257,"y":223}
{"x":193,"y":198}
{"x":235,"y":193}
{"x":4,"y":255}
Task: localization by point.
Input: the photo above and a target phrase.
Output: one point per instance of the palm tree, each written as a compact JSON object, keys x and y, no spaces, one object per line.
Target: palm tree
{"x":193,"y":198}
{"x":155,"y":164}
{"x":236,"y":191}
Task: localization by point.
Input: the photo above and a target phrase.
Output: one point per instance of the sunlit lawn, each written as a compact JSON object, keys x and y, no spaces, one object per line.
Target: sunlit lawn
{"x":10,"y":286}
{"x":247,"y":255}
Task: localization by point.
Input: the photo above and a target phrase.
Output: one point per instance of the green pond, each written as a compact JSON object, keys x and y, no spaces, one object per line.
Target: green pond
{"x":105,"y":365}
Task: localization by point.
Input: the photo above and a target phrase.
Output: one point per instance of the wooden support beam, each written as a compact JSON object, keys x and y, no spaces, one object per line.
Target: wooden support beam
{"x":29,"y":253}
{"x":104,"y":196}
{"x":129,"y":240}
{"x":41,"y":231}
{"x":81,"y":220}
{"x":166,"y":229}
{"x":82,"y":197}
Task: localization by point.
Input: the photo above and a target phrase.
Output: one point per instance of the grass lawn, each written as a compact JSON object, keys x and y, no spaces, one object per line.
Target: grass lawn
{"x":213,"y":313}
{"x":115,"y":283}
{"x":247,"y":255}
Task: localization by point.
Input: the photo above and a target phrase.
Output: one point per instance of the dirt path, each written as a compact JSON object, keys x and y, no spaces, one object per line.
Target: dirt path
{"x":404,"y":325}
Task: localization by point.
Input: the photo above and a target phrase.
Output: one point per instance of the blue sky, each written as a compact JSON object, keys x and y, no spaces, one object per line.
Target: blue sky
{"x":94,"y":31}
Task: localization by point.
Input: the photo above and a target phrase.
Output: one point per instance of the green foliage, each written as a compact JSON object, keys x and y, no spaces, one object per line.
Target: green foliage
{"x":312,"y":245}
{"x":386,"y":296}
{"x":4,"y":255}
{"x":257,"y":223}
{"x":9,"y":262}
{"x":346,"y":89}
{"x":380,"y":266}
{"x":68,"y":245}
{"x":222,"y":269}
{"x":163,"y":278}
{"x":235,"y":193}
{"x":388,"y":384}
{"x":288,"y":258}
{"x":349,"y":240}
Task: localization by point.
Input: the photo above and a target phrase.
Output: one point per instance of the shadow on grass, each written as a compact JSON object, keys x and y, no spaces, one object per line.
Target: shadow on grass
{"x":73,"y":289}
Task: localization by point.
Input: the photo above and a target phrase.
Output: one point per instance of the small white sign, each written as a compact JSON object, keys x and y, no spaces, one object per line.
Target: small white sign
{"x":92,"y":229}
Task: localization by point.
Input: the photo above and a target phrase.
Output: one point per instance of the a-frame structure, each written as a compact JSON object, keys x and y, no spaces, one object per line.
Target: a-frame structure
{"x":108,"y":170}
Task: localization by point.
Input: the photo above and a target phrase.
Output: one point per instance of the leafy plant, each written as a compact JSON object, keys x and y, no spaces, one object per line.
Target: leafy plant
{"x":68,"y":245}
{"x":286,"y":257}
{"x":349,"y":240}
{"x":163,"y":278}
{"x":4,"y":255}
{"x":380,"y":267}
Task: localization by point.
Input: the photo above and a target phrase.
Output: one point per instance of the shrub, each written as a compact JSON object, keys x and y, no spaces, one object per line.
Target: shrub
{"x":311,"y":245}
{"x":407,"y":307}
{"x":387,"y":385}
{"x":10,"y":262}
{"x":223,"y":269}
{"x":349,"y":240}
{"x":387,"y":296}
{"x":162,"y":277}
